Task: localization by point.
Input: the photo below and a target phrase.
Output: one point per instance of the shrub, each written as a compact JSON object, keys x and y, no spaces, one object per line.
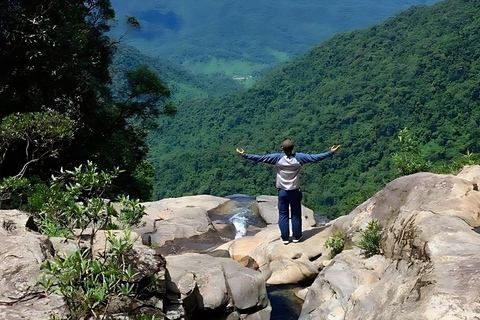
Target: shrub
{"x":336,"y":243}
{"x":370,"y":238}
{"x":88,"y":284}
{"x":75,"y":201}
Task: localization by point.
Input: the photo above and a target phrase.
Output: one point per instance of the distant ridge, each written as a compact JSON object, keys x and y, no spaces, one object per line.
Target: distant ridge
{"x":249,"y":35}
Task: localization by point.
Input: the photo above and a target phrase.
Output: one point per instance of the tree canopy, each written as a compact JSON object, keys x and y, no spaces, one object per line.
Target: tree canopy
{"x":55,"y":57}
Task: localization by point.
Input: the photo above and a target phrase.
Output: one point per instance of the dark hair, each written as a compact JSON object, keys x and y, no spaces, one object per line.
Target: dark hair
{"x":287,"y":145}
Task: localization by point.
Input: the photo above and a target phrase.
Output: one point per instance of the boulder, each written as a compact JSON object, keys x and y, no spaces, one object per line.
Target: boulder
{"x":301,"y":294}
{"x":15,"y":222}
{"x":204,"y":282}
{"x":21,"y":255}
{"x":176,"y":218}
{"x":430,"y":255}
{"x":279,"y":263}
{"x":268,"y":209}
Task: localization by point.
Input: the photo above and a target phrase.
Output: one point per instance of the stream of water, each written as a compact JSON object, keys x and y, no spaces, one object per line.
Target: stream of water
{"x":285,"y":305}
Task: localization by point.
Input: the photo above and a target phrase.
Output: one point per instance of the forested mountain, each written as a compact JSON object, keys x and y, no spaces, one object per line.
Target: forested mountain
{"x":419,"y":69}
{"x":242,"y":37}
{"x":182,"y":83}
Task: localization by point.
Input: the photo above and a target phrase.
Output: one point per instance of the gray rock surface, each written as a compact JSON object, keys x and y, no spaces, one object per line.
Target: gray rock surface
{"x":279,"y":263}
{"x":21,"y":255}
{"x":430,"y":255}
{"x":176,"y":218}
{"x":207,"y":283}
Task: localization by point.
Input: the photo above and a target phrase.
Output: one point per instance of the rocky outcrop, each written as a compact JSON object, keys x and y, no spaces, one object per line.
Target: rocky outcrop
{"x":204,"y":283}
{"x":177,"y":218}
{"x":430,"y":255}
{"x":279,"y":263}
{"x":268,"y":209}
{"x":21,"y":255}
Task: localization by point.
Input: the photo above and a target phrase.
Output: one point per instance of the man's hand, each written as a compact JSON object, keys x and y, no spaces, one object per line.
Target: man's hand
{"x":335,"y":148}
{"x":240,"y":151}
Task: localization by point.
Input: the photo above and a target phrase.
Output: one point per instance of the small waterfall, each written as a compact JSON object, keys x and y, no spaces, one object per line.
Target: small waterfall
{"x":240,"y":222}
{"x":244,"y":213}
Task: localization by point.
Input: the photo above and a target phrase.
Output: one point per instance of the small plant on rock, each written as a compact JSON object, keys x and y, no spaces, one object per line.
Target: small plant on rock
{"x":89,"y":285}
{"x":370,"y":238}
{"x":335,"y":243}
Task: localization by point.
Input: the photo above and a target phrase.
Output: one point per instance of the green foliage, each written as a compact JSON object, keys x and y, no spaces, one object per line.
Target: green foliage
{"x":131,"y":212}
{"x":410,"y":160}
{"x":42,"y":133}
{"x":183,"y":84}
{"x":359,"y":89}
{"x":14,"y":192}
{"x":88,"y":284}
{"x":370,"y":238}
{"x":336,"y":243}
{"x":58,"y":109}
{"x":75,"y":200}
{"x":133,"y":22}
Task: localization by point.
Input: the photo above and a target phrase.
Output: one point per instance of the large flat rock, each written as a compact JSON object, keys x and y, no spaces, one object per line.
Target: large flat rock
{"x":279,"y":263}
{"x":176,"y":218}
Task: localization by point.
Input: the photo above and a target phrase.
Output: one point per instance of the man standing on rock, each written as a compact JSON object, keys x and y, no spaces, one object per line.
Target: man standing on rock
{"x":288,"y":166}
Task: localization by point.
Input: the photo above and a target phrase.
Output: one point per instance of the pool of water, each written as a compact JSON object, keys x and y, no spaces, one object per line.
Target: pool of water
{"x":285,"y":305}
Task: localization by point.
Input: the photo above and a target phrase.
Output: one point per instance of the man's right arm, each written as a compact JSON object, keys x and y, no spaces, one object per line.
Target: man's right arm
{"x":269,"y":158}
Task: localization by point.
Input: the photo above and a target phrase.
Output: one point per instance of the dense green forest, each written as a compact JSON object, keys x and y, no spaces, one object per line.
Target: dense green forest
{"x":241,"y":38}
{"x":419,"y":69}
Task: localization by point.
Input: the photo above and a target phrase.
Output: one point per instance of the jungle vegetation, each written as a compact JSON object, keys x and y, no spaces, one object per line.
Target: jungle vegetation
{"x":418,"y":70}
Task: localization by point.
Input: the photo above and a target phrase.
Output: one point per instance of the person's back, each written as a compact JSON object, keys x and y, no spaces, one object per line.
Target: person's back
{"x":288,"y":167}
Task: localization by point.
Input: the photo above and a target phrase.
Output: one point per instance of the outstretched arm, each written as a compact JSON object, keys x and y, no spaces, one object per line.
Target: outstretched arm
{"x":269,"y":158}
{"x":306,"y":158}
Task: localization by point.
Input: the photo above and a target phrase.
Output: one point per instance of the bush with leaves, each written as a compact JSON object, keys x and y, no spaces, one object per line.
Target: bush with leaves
{"x":89,"y":284}
{"x":75,"y":200}
{"x":370,"y":238}
{"x":336,"y":243}
{"x":410,"y":160}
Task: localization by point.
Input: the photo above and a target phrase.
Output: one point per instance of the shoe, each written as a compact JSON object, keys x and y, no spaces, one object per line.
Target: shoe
{"x":285,"y":241}
{"x":297,"y":240}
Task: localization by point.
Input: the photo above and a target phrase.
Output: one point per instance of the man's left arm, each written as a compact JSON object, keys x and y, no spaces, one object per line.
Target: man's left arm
{"x":307,"y":158}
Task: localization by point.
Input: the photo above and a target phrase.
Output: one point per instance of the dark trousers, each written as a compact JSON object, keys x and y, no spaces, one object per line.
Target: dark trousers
{"x":290,"y":200}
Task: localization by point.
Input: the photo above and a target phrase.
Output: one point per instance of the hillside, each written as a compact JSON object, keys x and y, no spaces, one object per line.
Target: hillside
{"x":419,"y":69}
{"x":181,"y":82}
{"x":243,"y":37}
